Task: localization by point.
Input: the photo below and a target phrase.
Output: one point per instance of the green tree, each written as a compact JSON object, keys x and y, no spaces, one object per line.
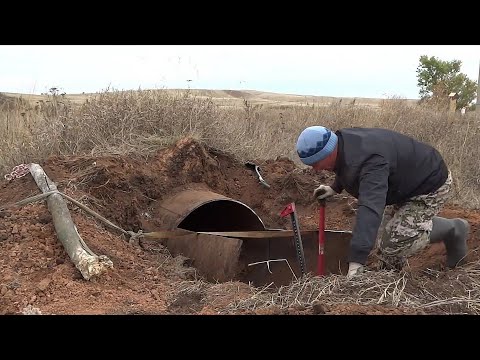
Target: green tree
{"x":437,"y":79}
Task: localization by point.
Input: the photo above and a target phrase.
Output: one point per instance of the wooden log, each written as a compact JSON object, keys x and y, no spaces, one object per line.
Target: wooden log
{"x":83,"y":258}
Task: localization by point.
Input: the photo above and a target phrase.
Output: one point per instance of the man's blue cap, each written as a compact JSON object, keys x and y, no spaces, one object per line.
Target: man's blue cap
{"x":315,"y":143}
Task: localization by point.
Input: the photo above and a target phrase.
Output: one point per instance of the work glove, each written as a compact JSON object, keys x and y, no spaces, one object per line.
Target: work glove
{"x":323,"y":192}
{"x":354,"y":269}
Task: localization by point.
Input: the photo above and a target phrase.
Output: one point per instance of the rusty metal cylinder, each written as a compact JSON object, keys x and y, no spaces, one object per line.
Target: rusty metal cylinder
{"x":201,"y":210}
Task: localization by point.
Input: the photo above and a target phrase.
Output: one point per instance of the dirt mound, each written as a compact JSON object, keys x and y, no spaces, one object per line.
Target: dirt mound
{"x":36,"y":274}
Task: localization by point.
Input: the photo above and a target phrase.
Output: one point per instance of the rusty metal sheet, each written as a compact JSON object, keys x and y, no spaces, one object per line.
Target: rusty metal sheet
{"x":260,"y":234}
{"x":257,"y":250}
{"x":221,"y":258}
{"x":169,"y":234}
{"x":215,"y":257}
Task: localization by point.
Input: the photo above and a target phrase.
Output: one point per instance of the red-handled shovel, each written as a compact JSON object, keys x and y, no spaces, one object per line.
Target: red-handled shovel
{"x":321,"y":239}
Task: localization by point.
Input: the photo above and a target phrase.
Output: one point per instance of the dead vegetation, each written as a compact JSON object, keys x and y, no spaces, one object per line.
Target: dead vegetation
{"x":416,"y":293}
{"x":115,"y":122}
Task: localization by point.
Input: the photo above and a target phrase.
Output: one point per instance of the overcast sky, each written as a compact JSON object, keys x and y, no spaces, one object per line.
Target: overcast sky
{"x":375,"y":71}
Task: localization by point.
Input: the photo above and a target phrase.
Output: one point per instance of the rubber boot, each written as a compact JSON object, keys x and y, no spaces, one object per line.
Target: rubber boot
{"x":454,"y":233}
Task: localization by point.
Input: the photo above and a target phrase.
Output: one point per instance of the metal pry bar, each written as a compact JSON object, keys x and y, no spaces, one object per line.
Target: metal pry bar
{"x":256,"y":168}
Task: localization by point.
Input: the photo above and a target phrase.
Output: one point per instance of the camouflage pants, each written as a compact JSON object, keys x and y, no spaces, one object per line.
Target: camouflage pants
{"x":406,"y":227}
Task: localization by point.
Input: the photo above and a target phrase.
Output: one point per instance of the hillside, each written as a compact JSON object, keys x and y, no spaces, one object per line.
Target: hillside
{"x":237,"y":97}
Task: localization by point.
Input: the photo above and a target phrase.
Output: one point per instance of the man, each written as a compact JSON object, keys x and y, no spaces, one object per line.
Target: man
{"x":386,"y":170}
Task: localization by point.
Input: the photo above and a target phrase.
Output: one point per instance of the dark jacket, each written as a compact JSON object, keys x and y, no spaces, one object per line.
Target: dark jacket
{"x":381,"y":167}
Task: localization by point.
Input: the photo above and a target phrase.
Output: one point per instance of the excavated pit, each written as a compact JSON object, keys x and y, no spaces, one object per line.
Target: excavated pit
{"x":221,"y":258}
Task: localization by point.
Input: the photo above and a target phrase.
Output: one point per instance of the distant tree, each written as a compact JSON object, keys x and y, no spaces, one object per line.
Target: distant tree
{"x":437,"y":79}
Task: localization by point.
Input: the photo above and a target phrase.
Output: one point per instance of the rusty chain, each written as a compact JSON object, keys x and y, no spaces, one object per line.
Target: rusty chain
{"x":18,"y":172}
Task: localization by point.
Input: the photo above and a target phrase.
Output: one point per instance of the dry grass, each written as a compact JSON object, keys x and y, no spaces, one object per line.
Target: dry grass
{"x":459,"y":292}
{"x":115,"y":122}
{"x":429,"y":292}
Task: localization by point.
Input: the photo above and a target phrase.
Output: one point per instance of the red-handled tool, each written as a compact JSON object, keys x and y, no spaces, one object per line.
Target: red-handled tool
{"x":290,"y":210}
{"x":321,"y":233}
{"x":321,"y":238}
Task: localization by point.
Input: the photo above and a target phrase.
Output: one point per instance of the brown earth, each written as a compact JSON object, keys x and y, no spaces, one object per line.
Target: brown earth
{"x":36,"y":274}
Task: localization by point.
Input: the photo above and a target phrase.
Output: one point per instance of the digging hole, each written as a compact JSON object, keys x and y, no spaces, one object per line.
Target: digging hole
{"x":224,"y":258}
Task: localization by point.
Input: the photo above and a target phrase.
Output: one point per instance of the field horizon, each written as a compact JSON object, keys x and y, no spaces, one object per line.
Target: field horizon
{"x":237,"y":97}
